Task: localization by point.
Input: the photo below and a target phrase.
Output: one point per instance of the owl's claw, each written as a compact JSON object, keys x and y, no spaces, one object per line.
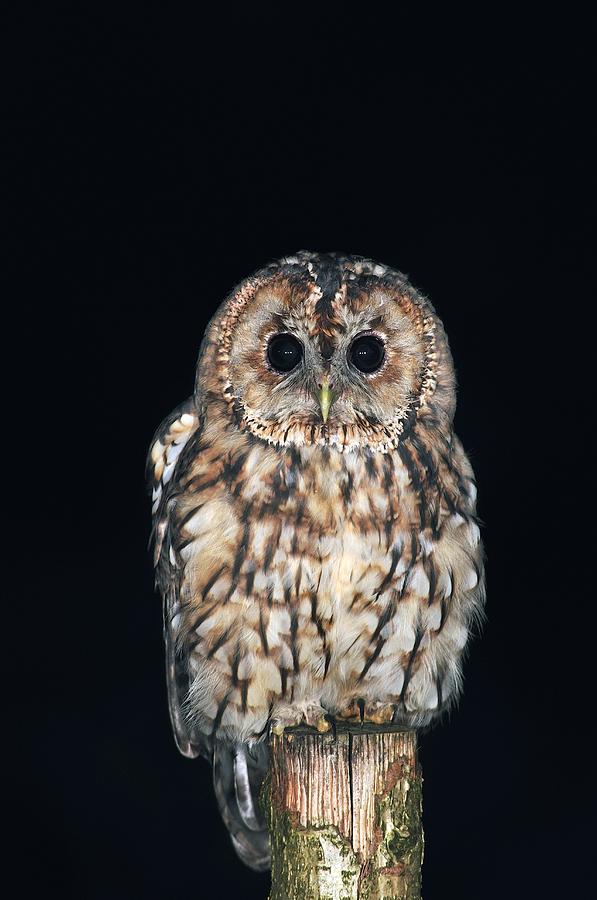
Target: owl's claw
{"x":311,"y":714}
{"x":373,"y":712}
{"x":380,"y":713}
{"x":354,"y":712}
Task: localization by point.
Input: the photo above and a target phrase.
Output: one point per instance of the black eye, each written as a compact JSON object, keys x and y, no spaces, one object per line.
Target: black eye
{"x":367,"y":353}
{"x":284,"y":352}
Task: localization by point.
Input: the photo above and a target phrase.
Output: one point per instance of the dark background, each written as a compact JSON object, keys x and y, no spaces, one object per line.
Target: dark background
{"x":157,"y":161}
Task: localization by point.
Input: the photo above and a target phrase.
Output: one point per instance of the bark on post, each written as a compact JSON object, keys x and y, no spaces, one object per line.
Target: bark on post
{"x":345,"y":815}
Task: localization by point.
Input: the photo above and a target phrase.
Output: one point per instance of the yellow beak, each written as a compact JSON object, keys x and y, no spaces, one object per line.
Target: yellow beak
{"x":325,"y":398}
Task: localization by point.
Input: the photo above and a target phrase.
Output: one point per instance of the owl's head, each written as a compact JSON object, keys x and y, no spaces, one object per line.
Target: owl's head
{"x":331,"y":350}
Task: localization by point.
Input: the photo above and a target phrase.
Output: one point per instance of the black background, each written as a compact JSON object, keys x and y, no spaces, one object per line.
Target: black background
{"x":160,"y":159}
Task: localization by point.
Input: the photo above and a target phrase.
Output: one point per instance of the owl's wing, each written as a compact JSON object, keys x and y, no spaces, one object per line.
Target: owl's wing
{"x":239,"y":770}
{"x":171,"y":447}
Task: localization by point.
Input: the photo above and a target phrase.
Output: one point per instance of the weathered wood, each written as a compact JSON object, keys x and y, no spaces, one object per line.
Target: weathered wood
{"x":345,"y":815}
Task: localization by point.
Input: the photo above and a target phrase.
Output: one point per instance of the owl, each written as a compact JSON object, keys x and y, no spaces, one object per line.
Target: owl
{"x":314,"y":527}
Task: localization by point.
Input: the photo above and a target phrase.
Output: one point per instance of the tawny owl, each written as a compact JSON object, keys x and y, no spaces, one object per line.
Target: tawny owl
{"x":315,"y":534}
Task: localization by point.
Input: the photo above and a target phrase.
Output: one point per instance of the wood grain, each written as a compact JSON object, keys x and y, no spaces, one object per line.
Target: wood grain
{"x":345,"y":815}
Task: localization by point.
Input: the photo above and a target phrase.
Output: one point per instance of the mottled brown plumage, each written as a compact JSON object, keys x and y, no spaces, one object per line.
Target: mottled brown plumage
{"x":309,"y":568}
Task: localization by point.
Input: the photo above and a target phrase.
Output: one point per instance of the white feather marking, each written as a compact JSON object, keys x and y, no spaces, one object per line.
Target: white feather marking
{"x":206,"y":626}
{"x":456,"y":519}
{"x":395,"y":682}
{"x":286,"y":661}
{"x":470,"y":580}
{"x":459,"y":636}
{"x":246,"y":666}
{"x":369,"y":620}
{"x":433,"y":617}
{"x":474,"y":534}
{"x":418,"y":582}
{"x":444,"y":584}
{"x":261,"y":582}
{"x":221,"y":655}
{"x":400,"y":637}
{"x":271,"y":678}
{"x":429,"y":698}
{"x":427,"y":545}
{"x":168,"y":472}
{"x":174,"y":451}
{"x":157,"y":451}
{"x":279,"y":621}
{"x":201,"y":520}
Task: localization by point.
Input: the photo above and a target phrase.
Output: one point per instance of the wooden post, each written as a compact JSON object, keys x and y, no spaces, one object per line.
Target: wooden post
{"x":345,"y":814}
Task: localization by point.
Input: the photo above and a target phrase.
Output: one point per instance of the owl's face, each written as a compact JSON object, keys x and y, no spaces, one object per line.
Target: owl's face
{"x":325,"y":350}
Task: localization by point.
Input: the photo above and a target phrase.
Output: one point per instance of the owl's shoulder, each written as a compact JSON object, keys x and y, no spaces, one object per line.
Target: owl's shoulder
{"x":167,"y":444}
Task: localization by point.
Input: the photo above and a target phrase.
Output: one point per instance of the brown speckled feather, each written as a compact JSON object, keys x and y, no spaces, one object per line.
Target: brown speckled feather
{"x":315,"y":567}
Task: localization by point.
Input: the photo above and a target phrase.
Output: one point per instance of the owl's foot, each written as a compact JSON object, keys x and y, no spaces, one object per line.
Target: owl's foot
{"x":311,"y":714}
{"x":380,"y":713}
{"x":354,"y":712}
{"x":368,"y":711}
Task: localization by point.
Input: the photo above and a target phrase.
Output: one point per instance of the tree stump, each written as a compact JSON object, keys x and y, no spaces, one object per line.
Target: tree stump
{"x":345,"y":814}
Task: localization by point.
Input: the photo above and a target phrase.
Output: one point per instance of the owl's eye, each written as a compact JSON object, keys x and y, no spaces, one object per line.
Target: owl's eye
{"x":284,"y":352}
{"x":367,"y":353}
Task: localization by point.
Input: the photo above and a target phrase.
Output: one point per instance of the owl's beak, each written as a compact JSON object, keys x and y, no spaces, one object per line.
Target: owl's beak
{"x":325,"y":398}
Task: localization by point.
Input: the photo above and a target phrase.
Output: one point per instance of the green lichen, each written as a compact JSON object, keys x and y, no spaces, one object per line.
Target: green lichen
{"x":317,"y":862}
{"x":314,"y":863}
{"x":403,"y":808}
{"x":396,"y":870}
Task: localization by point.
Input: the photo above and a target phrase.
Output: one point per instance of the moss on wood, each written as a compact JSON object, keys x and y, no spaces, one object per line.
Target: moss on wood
{"x":312,"y":858}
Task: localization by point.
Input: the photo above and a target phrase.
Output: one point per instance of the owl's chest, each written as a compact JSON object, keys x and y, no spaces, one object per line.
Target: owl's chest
{"x":287,"y":526}
{"x":321,"y":492}
{"x":326,"y":524}
{"x":294,"y":554}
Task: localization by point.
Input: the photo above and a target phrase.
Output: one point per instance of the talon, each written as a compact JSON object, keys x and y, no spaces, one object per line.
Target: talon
{"x":310,"y":714}
{"x":380,"y":713}
{"x":351,"y":713}
{"x":361,"y":706}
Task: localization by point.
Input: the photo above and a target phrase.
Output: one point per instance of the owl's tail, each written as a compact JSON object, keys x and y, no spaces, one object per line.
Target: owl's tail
{"x":238,"y":772}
